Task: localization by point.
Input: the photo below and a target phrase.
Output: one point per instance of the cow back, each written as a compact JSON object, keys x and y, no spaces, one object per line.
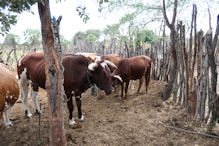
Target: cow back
{"x":114,"y":58}
{"x":9,"y":90}
{"x":90,"y":56}
{"x":131,"y":68}
{"x":34,"y":64}
{"x":75,"y":69}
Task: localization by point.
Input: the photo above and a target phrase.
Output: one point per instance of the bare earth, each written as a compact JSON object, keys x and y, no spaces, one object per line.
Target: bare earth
{"x":110,"y":121}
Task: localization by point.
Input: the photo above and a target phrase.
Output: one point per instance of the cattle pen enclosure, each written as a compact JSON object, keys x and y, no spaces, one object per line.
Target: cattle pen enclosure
{"x":109,"y":121}
{"x":178,"y":62}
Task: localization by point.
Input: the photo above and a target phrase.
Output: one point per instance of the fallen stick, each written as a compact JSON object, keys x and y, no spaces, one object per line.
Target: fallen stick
{"x":188,"y":131}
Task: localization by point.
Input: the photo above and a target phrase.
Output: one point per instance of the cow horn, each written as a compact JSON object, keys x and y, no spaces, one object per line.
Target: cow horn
{"x":118,"y":77}
{"x":92,"y":66}
{"x":110,"y":63}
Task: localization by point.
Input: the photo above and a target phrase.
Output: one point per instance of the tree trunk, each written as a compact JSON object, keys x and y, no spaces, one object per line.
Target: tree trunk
{"x":54,"y":74}
{"x":168,"y":88}
{"x":15,"y":54}
{"x":213,"y":75}
{"x":192,"y":98}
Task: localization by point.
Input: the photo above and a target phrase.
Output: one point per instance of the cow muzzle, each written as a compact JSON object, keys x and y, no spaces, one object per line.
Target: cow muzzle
{"x":109,"y":91}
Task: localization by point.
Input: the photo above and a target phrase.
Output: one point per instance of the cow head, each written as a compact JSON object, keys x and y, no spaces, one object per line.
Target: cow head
{"x":100,"y":75}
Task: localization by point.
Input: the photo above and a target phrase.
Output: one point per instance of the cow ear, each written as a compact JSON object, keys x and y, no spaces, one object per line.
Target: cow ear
{"x":89,"y":73}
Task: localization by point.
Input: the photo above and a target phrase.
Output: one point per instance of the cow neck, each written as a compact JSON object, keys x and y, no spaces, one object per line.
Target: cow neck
{"x":89,"y":80}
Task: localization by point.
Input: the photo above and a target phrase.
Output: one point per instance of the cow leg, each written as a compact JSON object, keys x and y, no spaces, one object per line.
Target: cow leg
{"x":122,"y":86}
{"x":140,"y":84}
{"x":100,"y":94}
{"x":23,"y":85}
{"x":126,"y":89}
{"x":147,"y":79}
{"x":116,"y":89}
{"x":71,"y":108}
{"x":1,"y":119}
{"x":24,"y":95}
{"x":34,"y":93}
{"x":132,"y":85}
{"x":6,"y":119}
{"x":78,"y":101}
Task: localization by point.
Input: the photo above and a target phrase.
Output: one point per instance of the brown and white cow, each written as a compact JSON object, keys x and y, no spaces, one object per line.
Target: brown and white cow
{"x":132,"y":69}
{"x":79,"y":74}
{"x":9,"y":92}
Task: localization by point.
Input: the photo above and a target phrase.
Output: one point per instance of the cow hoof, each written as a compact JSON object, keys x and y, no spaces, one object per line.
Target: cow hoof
{"x":72,"y":122}
{"x":38,"y":112}
{"x":100,"y":97}
{"x":28,"y":115}
{"x":8,"y":124}
{"x":81,"y":119}
{"x":75,"y":126}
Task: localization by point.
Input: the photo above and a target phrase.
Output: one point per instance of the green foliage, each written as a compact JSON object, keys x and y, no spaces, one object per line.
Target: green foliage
{"x":95,"y":32}
{"x":127,"y":18}
{"x":64,"y":42}
{"x":111,"y":30}
{"x":78,"y":36}
{"x":82,"y":13}
{"x":32,"y":37}
{"x":91,"y":38}
{"x":91,"y":35}
{"x":9,"y":10}
{"x":148,"y":36}
{"x":39,"y":142}
{"x":11,"y":40}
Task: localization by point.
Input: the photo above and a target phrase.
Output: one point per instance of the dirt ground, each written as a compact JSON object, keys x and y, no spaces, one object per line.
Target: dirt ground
{"x":109,"y":121}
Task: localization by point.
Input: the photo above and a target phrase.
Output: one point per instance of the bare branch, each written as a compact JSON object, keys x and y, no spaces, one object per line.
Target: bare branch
{"x":174,"y":12}
{"x":165,"y":15}
{"x":188,"y":131}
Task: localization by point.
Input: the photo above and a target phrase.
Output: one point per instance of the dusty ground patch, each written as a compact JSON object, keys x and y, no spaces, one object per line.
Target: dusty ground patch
{"x":110,"y":121}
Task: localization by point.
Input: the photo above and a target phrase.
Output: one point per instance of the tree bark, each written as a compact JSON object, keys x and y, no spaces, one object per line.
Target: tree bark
{"x":54,"y":74}
{"x":192,"y":98}
{"x":213,"y":76}
{"x":168,"y":88}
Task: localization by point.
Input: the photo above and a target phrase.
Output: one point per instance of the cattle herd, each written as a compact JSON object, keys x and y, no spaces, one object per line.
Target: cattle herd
{"x":81,"y":71}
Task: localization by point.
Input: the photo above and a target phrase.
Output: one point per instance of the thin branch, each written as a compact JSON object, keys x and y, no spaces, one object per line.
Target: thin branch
{"x":174,"y":12}
{"x":152,"y":20}
{"x":209,"y":15}
{"x":188,"y":131}
{"x":165,"y":14}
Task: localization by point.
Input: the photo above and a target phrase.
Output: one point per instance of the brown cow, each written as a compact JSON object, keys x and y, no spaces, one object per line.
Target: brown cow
{"x":111,"y":60}
{"x":114,"y":58}
{"x":90,"y":56}
{"x":148,"y":73}
{"x":9,"y":92}
{"x":132,"y":69}
{"x":79,"y":74}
